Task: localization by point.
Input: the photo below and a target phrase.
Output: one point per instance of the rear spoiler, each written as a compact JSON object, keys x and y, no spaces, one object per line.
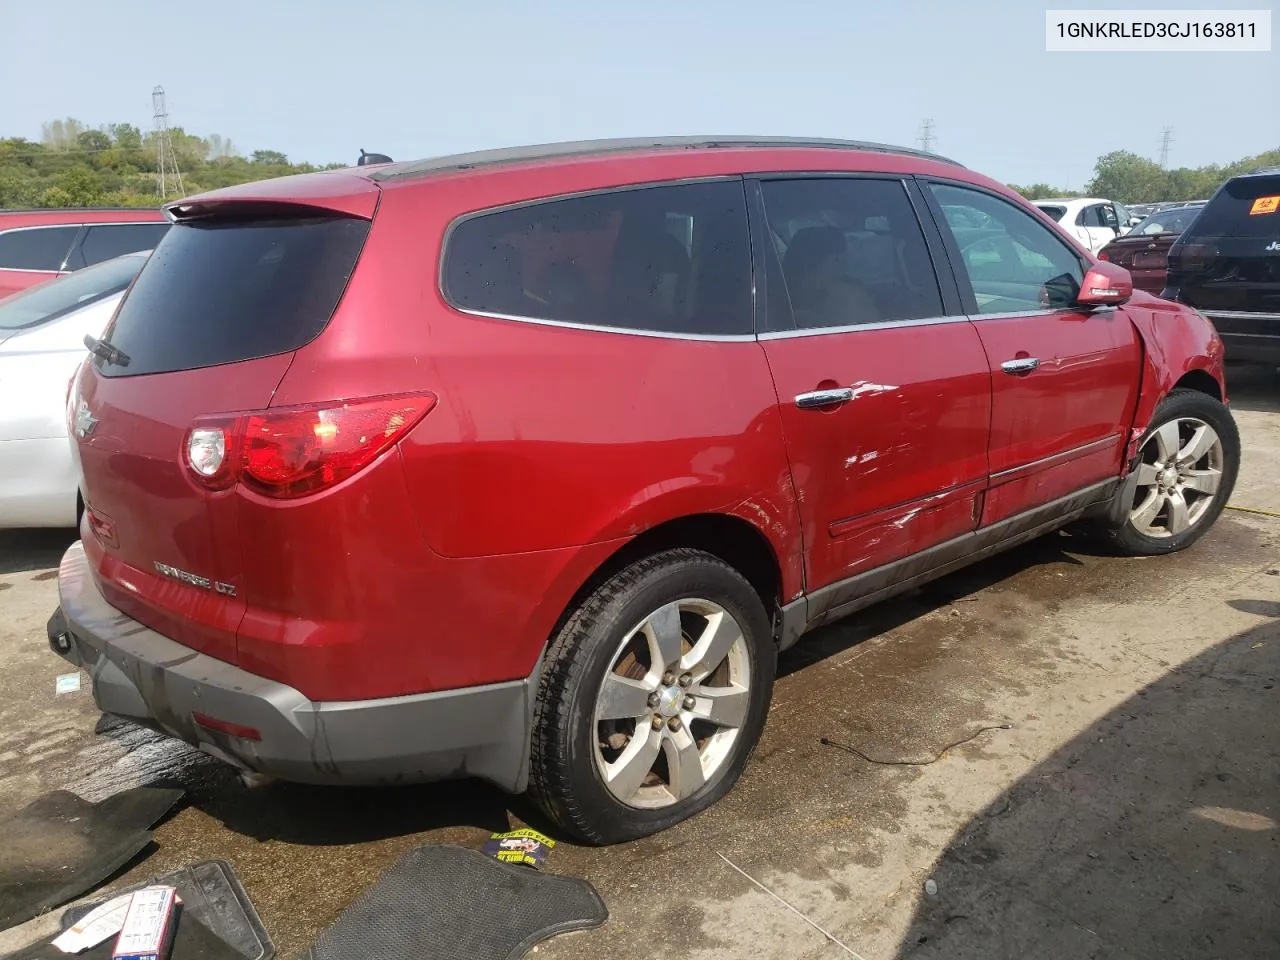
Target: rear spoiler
{"x":345,"y":192}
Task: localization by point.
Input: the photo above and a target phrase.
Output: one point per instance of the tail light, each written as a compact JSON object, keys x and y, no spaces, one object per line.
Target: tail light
{"x":1103,"y":255}
{"x":1193,"y":256}
{"x":295,"y":451}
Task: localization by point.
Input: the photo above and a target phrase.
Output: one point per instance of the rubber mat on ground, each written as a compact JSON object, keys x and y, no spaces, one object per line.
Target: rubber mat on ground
{"x":61,"y":846}
{"x":450,"y":903}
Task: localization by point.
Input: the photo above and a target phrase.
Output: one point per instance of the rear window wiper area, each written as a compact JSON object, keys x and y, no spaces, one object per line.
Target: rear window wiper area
{"x":112,"y":356}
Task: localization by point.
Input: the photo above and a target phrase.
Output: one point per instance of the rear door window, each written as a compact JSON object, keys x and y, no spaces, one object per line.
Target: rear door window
{"x":115,"y":239}
{"x":850,"y":252}
{"x":36,"y":248}
{"x":1247,"y":208}
{"x":222,"y":291}
{"x":669,"y":259}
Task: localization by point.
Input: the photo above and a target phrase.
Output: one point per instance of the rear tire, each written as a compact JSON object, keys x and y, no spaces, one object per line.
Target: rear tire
{"x":652,"y":697}
{"x":1188,"y":463}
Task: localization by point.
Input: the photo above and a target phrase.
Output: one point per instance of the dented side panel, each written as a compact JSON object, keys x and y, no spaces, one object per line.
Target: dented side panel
{"x":1176,"y":342}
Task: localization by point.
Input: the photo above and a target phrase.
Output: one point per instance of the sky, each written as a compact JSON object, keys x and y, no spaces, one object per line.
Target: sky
{"x":321,"y":79}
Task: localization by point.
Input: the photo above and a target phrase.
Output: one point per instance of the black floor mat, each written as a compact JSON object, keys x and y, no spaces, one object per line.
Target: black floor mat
{"x":60,"y":846}
{"x":450,"y":903}
{"x":216,"y":920}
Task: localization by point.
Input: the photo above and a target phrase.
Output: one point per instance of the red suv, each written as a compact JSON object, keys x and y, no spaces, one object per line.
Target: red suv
{"x":524,"y":465}
{"x":38,"y":245}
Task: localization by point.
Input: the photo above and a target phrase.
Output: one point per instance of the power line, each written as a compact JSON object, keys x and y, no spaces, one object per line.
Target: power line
{"x":1166,"y":138}
{"x":926,"y":135}
{"x":167,"y":160}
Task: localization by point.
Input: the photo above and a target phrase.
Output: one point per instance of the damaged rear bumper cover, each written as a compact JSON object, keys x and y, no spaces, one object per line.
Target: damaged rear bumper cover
{"x":140,"y":674}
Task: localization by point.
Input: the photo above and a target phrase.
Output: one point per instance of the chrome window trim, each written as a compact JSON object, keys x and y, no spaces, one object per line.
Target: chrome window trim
{"x":577,"y":194}
{"x":855,"y":327}
{"x":597,"y":328}
{"x":1243,"y":315}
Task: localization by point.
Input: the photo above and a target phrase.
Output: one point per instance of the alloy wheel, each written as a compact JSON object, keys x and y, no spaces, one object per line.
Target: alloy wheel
{"x":1178,"y":477}
{"x":672,"y":704}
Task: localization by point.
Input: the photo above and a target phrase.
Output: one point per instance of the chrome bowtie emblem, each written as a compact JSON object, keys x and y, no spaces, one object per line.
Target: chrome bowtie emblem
{"x":85,"y":421}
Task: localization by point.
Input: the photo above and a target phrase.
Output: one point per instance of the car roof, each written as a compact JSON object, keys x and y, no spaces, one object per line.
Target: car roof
{"x":1060,"y":201}
{"x":593,"y":148}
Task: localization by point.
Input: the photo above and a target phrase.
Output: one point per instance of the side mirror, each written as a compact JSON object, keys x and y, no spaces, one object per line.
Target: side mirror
{"x":1105,"y":284}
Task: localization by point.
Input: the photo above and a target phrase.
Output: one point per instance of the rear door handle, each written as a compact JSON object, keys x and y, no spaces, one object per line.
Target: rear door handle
{"x":1020,"y":366}
{"x":824,"y":398}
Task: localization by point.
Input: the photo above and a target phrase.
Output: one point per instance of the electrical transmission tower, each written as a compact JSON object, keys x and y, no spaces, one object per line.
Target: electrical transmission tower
{"x":926,"y":135}
{"x":170,"y":177}
{"x":1166,"y":138}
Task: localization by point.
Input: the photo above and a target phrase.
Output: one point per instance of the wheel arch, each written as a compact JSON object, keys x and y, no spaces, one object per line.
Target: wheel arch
{"x":736,"y":541}
{"x":1201,"y":381}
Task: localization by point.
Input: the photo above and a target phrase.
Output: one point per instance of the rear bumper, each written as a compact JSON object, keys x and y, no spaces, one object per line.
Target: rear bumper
{"x":1248,"y":336}
{"x":137,"y":673}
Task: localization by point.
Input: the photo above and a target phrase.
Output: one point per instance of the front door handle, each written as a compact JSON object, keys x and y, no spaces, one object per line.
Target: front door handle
{"x":1020,"y":366}
{"x":818,"y":399}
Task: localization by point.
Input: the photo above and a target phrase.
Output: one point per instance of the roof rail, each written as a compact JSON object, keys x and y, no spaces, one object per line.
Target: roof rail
{"x":587,"y":148}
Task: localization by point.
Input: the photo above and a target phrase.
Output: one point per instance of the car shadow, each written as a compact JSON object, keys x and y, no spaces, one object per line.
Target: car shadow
{"x":1154,"y":833}
{"x":1254,"y":387}
{"x":329,"y":816}
{"x":23,"y":551}
{"x":1063,"y":547}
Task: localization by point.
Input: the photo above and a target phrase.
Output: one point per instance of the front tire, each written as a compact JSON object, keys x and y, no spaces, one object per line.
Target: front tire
{"x":1187,"y":466}
{"x":652,"y":697}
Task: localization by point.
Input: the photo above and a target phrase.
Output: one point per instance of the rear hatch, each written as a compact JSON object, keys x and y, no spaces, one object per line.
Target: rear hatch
{"x":209,"y":327}
{"x":1229,"y":258}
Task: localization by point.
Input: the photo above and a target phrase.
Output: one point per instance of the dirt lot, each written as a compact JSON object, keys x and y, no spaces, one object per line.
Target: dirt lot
{"x":1081,"y":752}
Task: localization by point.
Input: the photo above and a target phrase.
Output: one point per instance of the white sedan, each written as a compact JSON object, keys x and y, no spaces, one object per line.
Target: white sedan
{"x":42,"y":333}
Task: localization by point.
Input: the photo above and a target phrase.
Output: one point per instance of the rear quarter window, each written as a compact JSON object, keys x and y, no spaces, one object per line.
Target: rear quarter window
{"x":116,"y":239}
{"x":36,"y":248}
{"x":217,"y":292}
{"x":1244,"y":208}
{"x":672,"y":259}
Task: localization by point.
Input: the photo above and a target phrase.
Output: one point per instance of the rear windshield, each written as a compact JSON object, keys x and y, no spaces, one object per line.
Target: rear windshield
{"x":57,"y":298}
{"x":224,"y":291}
{"x":1248,"y":207}
{"x":1167,"y":221}
{"x":1054,"y":212}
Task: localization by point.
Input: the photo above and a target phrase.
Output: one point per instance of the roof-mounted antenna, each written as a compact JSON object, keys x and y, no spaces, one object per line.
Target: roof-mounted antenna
{"x":368,"y":158}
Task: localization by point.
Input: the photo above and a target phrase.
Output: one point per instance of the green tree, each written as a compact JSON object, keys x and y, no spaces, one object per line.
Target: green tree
{"x":1121,"y":175}
{"x":1041,"y":191}
{"x":125,"y":135}
{"x":272,"y":157}
{"x":78,"y":187}
{"x":93,"y":141}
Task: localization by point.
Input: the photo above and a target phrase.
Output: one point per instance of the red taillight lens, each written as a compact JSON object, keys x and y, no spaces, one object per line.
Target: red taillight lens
{"x":295,"y":451}
{"x":1104,"y":255}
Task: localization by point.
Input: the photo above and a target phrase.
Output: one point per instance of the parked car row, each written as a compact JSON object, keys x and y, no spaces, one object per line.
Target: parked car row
{"x":526,"y":464}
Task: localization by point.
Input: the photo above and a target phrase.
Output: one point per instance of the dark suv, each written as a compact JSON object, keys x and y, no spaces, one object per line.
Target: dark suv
{"x":1227,"y":265}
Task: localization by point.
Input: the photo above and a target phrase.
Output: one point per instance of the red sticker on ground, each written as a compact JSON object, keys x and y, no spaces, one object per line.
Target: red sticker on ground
{"x":1264,"y":205}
